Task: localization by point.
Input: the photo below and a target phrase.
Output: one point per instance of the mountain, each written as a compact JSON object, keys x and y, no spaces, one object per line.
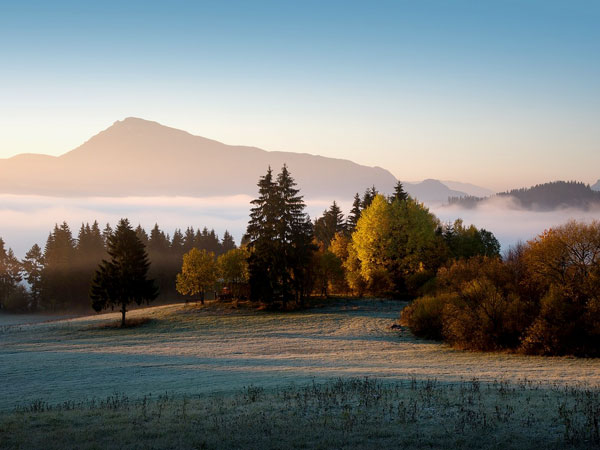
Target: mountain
{"x":596,"y":187}
{"x":469,"y":189}
{"x":136,"y":157}
{"x":544,"y":197}
{"x":431,"y":191}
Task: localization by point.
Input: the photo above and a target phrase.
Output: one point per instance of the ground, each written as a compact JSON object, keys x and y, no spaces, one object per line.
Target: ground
{"x":193,"y":352}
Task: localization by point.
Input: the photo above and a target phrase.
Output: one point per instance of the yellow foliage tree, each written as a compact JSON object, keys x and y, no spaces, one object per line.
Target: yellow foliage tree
{"x":233,"y":267}
{"x":198,"y":273}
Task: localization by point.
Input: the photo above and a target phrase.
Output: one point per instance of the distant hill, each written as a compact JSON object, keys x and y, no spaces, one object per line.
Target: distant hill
{"x":431,"y":191}
{"x":596,"y":187}
{"x":468,"y":188}
{"x":543,"y":197}
{"x":136,"y":157}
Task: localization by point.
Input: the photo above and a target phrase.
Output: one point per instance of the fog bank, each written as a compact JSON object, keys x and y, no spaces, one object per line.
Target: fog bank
{"x":27,"y":219}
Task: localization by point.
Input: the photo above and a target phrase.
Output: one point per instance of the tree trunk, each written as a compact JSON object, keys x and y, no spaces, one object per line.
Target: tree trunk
{"x":202,"y":298}
{"x":123,"y":311}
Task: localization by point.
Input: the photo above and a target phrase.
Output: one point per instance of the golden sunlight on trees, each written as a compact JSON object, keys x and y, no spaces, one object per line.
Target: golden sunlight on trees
{"x":233,"y":267}
{"x":397,"y":244}
{"x":198,"y":273}
{"x":544,"y":298}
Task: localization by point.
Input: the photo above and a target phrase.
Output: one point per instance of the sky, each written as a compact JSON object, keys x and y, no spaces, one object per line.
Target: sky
{"x":502,"y":94}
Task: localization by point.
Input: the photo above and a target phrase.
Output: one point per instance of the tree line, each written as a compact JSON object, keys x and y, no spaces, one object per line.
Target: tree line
{"x":59,"y":277}
{"x":386,"y":246}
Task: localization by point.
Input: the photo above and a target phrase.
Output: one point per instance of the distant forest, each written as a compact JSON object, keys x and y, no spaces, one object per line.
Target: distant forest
{"x":543,"y":197}
{"x":59,"y":276}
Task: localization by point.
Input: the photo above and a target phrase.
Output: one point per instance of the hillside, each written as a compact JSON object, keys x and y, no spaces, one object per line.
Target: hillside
{"x":431,"y":191}
{"x":596,"y":186}
{"x":543,"y":197}
{"x":136,"y":157}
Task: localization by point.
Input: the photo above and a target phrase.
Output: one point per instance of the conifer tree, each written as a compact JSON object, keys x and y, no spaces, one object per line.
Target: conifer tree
{"x":10,"y":273}
{"x":329,"y":224}
{"x":280,"y":239}
{"x":33,"y":264}
{"x":368,"y":197}
{"x":122,"y":279}
{"x":262,"y":241}
{"x":59,"y":287}
{"x":354,"y":215}
{"x":227,"y":243}
{"x":399,"y":192}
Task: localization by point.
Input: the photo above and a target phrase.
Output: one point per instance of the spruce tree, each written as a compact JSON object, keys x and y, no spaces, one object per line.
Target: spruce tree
{"x":368,"y":197}
{"x":122,"y":279}
{"x":329,"y":224}
{"x":279,"y":236}
{"x":354,"y":214}
{"x":33,"y":265}
{"x":10,"y":273}
{"x":227,"y":243}
{"x":262,"y":241}
{"x":399,"y":193}
{"x":89,"y":252}
{"x":59,"y":285}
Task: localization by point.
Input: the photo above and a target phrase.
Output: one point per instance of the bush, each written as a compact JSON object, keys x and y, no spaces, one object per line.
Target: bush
{"x":424,"y":315}
{"x":564,"y":326}
{"x":544,"y":299}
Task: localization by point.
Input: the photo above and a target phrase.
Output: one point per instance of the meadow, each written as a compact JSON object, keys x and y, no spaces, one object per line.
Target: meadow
{"x":335,"y":375}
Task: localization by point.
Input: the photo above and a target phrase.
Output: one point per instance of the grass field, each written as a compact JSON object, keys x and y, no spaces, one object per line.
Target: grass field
{"x":193,"y":377}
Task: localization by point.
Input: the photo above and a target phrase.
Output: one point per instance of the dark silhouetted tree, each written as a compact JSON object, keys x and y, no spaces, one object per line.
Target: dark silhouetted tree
{"x":59,"y":282}
{"x":354,"y":215}
{"x":399,"y":192}
{"x":33,"y":264}
{"x":10,"y":274}
{"x":123,"y":279}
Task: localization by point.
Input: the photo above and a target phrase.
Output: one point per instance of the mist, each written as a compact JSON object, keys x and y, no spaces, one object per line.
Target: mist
{"x":509,"y":223}
{"x":28,"y":219}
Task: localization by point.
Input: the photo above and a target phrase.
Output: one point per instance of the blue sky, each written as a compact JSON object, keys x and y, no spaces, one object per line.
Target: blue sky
{"x":499,"y":93}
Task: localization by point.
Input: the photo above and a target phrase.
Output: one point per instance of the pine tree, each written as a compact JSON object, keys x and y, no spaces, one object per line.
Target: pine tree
{"x":89,"y":252}
{"x":10,"y":274}
{"x":123,"y":279}
{"x":142,"y":235}
{"x":227,"y":243}
{"x":329,"y":224}
{"x":33,"y":264}
{"x":59,"y":286}
{"x":399,"y":193}
{"x":262,"y":241}
{"x":368,"y":197}
{"x":354,"y":214}
{"x":280,"y":240}
{"x":188,"y":239}
{"x":106,"y":233}
{"x":159,"y":249}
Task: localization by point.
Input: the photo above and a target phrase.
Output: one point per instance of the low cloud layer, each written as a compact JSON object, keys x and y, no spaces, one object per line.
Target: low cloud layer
{"x":509,"y":223}
{"x":25,"y":220}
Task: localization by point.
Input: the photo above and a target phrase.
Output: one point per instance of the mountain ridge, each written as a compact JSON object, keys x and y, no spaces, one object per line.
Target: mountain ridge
{"x":139,"y":157}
